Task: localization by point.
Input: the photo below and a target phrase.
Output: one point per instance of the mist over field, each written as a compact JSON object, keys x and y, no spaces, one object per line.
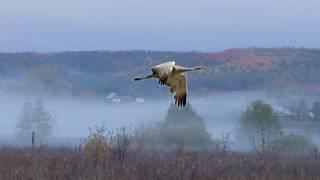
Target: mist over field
{"x":221,"y":112}
{"x":75,"y":116}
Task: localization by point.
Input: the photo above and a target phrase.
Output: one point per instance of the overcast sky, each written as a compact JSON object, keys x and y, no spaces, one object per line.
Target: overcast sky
{"x":178,"y":25}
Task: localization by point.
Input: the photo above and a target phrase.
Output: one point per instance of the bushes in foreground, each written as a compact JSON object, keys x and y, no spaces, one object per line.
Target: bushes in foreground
{"x":294,"y":144}
{"x":44,"y":163}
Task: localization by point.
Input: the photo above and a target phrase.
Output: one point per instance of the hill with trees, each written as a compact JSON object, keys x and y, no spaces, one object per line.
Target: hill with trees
{"x":96,"y":73}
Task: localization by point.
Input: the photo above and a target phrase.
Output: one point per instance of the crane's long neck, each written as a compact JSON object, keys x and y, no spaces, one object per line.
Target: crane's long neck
{"x":146,"y":77}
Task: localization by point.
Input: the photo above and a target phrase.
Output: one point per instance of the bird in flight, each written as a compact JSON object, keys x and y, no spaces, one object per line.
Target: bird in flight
{"x":174,"y":77}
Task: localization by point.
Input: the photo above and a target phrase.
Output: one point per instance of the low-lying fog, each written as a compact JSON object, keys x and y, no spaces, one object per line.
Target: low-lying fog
{"x":73,"y":117}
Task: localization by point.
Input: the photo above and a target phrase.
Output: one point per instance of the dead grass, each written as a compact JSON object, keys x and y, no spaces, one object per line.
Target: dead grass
{"x":65,"y":163}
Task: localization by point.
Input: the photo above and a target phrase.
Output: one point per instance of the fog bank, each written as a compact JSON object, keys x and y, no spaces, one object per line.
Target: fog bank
{"x":73,"y":117}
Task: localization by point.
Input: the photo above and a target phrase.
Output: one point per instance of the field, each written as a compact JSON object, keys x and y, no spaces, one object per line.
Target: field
{"x":65,"y":163}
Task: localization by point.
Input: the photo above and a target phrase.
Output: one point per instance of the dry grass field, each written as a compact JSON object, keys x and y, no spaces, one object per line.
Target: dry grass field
{"x":65,"y":163}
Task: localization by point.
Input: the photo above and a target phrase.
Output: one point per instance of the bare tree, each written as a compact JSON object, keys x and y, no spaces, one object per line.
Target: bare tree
{"x":120,"y":143}
{"x":35,"y":118}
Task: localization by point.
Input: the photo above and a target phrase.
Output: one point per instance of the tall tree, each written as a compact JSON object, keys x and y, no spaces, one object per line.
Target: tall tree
{"x":35,"y":118}
{"x":25,"y":120}
{"x":184,"y":126}
{"x":261,"y":125}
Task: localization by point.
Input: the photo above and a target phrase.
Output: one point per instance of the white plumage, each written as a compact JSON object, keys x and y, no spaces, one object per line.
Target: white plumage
{"x":173,"y":76}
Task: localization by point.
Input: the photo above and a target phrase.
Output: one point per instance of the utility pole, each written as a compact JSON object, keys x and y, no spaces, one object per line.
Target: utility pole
{"x":32,"y":139}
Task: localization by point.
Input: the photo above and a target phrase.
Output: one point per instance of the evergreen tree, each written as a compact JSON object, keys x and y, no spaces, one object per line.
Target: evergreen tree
{"x":184,"y":125}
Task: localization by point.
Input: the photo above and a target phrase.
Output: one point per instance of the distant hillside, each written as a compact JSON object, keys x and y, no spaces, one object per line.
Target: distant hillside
{"x":96,"y":73}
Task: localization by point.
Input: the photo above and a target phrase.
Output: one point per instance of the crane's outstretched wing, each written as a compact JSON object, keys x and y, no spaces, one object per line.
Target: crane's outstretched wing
{"x":178,"y":85}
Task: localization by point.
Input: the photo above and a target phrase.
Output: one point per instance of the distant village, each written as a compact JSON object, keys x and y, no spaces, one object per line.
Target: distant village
{"x":114,"y":98}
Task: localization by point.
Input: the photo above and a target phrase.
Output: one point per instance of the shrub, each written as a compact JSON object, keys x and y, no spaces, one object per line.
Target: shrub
{"x":97,"y":147}
{"x":120,"y":142}
{"x":294,"y":144}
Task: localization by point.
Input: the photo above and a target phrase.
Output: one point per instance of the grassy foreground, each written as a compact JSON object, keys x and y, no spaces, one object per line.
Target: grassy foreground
{"x":65,"y":163}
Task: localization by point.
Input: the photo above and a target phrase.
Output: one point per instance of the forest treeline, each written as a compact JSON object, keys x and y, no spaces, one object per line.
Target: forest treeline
{"x":97,"y":73}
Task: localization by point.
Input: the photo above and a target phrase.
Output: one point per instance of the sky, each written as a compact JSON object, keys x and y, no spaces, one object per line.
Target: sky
{"x":174,"y":25}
